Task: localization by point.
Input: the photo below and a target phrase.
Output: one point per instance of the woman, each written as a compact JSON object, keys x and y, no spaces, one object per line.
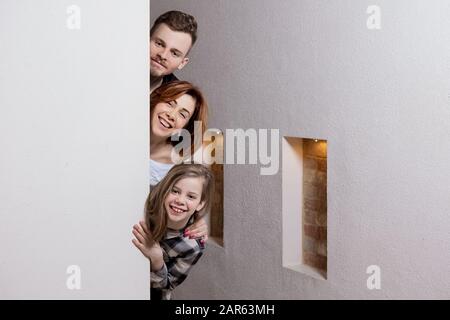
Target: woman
{"x":173,"y":107}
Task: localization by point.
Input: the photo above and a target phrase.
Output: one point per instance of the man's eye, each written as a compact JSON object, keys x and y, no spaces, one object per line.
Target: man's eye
{"x":175,"y":54}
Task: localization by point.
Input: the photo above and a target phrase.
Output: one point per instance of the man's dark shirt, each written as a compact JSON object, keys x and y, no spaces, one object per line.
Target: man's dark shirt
{"x":169,"y":78}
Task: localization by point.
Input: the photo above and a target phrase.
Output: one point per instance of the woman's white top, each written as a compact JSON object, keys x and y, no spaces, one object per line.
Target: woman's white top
{"x":158,"y":171}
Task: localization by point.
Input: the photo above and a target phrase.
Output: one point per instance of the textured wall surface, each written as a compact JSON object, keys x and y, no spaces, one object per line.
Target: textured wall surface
{"x":381,"y":100}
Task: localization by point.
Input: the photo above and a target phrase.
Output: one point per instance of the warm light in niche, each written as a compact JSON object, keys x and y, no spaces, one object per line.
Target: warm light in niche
{"x":320,"y":145}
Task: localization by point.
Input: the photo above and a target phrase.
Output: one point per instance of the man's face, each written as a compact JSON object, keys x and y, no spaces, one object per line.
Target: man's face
{"x":168,"y":50}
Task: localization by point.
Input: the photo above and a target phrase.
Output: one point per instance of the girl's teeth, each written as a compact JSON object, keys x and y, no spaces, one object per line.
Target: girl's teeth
{"x":177,"y":210}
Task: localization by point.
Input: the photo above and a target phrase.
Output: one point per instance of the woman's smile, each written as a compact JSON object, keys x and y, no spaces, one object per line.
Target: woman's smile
{"x":166,"y":124}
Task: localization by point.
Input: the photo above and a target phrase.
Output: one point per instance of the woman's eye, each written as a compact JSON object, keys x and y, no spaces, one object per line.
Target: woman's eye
{"x":191,"y":197}
{"x":174,"y":191}
{"x":183,"y":115}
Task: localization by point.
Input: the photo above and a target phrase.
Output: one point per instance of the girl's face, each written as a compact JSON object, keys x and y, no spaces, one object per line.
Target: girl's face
{"x":183,"y":200}
{"x":168,"y":118}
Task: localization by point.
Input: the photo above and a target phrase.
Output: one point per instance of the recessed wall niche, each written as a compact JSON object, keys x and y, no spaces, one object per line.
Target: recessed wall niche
{"x":215,"y":218}
{"x":304,"y":188}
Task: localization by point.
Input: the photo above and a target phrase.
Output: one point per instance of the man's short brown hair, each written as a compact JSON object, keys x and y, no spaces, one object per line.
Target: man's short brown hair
{"x":178,"y":21}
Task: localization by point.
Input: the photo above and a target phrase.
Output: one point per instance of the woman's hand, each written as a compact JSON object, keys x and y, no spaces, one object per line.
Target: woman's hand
{"x":198,"y":230}
{"x":149,"y":248}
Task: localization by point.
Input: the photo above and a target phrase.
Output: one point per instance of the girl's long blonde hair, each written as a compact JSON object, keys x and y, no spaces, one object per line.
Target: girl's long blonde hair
{"x":155,"y":212}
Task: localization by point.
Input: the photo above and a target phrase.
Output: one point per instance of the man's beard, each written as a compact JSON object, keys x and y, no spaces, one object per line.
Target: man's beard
{"x":160,"y":72}
{"x":156,"y":74}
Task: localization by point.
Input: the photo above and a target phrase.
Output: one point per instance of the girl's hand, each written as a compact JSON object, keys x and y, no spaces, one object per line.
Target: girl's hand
{"x":144,"y":242}
{"x":198,"y":230}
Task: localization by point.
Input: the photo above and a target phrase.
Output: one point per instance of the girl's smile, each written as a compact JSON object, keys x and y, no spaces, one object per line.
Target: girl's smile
{"x":176,"y":210}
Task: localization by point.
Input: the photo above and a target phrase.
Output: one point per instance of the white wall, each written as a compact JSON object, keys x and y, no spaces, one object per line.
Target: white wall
{"x":380,"y":98}
{"x":74,"y":145}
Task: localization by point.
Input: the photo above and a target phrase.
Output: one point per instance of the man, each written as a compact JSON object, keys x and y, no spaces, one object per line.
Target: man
{"x":171,"y":38}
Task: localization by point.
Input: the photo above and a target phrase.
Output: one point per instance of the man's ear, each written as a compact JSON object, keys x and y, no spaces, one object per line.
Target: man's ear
{"x":183,"y":63}
{"x":200,"y":206}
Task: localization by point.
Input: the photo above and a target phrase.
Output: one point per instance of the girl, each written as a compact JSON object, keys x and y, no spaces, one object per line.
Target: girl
{"x":183,"y":195}
{"x":174,"y":106}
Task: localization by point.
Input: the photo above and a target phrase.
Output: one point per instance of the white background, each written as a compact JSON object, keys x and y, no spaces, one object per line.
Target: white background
{"x":74,"y":148}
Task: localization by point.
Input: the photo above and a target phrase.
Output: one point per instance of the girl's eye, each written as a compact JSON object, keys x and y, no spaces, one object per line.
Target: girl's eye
{"x":191,"y":197}
{"x":183,"y":115}
{"x":174,"y":191}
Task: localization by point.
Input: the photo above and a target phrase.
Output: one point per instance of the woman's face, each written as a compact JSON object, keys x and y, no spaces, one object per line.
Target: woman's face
{"x":168,"y":118}
{"x":183,"y":200}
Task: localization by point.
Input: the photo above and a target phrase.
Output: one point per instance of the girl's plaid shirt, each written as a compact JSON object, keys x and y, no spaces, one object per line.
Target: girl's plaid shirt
{"x":180,"y":254}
